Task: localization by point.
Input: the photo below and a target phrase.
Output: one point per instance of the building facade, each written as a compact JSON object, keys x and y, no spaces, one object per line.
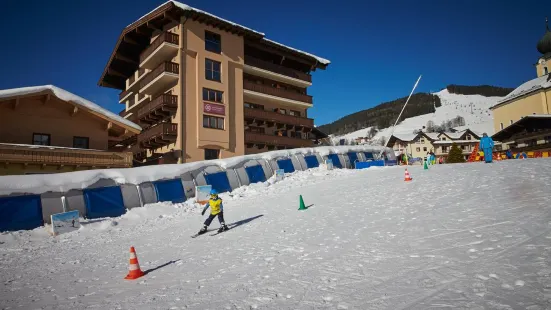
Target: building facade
{"x":46,"y":129}
{"x":532,"y":97}
{"x":418,"y":145}
{"x":206,"y":88}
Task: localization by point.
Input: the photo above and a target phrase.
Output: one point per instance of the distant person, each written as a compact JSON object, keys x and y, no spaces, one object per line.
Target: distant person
{"x":487,"y":145}
{"x":432,"y":158}
{"x":509,"y":154}
{"x":73,"y":223}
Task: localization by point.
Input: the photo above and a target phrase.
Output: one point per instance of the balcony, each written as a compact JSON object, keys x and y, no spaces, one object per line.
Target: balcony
{"x":158,"y":109}
{"x":276,"y":72}
{"x":163,"y":48}
{"x":60,"y":156}
{"x":160,"y":78}
{"x":262,"y":140}
{"x":158,"y":136}
{"x":278,"y":95}
{"x":125,"y":95}
{"x":274,"y":117}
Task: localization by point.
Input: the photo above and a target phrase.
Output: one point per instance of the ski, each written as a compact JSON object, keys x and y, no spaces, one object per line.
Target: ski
{"x":217,"y":233}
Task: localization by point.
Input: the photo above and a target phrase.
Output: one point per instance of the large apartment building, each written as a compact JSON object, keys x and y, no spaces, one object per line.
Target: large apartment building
{"x":205,"y":88}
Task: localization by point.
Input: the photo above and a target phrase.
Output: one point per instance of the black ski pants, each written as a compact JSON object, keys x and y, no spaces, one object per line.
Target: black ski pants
{"x":211,"y":217}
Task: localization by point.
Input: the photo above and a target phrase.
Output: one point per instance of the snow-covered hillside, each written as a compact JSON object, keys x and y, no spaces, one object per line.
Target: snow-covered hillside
{"x":460,"y":236}
{"x":473,"y":108}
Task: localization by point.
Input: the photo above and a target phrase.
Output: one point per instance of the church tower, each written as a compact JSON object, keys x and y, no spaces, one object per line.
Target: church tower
{"x":543,"y":67}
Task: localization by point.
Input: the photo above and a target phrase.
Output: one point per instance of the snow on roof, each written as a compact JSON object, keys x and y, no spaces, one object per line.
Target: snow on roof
{"x":319,"y":59}
{"x":541,"y":82}
{"x":454,"y":135}
{"x":186,"y":7}
{"x":454,"y":141}
{"x":69,"y":97}
{"x":405,"y":136}
{"x":432,"y":135}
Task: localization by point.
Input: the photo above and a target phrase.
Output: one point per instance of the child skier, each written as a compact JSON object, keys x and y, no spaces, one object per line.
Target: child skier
{"x":216,"y":209}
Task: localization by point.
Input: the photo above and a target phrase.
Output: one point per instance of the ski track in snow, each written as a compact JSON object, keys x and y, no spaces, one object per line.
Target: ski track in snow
{"x":463,"y":236}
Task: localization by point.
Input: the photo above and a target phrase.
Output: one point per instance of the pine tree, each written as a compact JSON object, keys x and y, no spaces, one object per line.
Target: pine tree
{"x":455,"y":155}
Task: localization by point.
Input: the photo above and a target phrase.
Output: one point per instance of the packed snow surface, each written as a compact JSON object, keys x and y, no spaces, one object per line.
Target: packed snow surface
{"x":475,"y":109}
{"x":463,"y":236}
{"x":69,"y":97}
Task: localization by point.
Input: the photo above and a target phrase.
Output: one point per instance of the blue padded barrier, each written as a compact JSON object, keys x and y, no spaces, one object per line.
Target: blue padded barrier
{"x":20,"y":212}
{"x":391,"y":162}
{"x":286,"y":165}
{"x":170,"y":190}
{"x":255,"y":174}
{"x":353,"y":156}
{"x":367,"y":164}
{"x":336,"y":161}
{"x":368,"y":155}
{"x":219,"y":181}
{"x":311,"y":161}
{"x":104,"y":202}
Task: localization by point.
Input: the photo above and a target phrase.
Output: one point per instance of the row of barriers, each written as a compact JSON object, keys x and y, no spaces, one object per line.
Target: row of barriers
{"x":107,"y":198}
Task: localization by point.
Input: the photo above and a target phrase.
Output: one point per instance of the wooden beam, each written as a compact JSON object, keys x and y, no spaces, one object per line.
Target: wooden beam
{"x":130,"y":41}
{"x":141,"y":32}
{"x":109,"y":126}
{"x":116,"y":73}
{"x":119,"y":56}
{"x":170,"y":17}
{"x":46,"y":99}
{"x":151,"y":26}
{"x":75,"y":111}
{"x":16,"y":103}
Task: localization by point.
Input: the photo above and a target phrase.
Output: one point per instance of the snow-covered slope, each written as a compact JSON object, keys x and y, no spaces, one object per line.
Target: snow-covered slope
{"x":479,"y":120}
{"x":368,"y":241}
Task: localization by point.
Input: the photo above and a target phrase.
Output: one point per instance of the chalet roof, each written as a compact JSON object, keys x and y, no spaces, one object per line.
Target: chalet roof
{"x":71,"y":98}
{"x":527,"y":125}
{"x":542,"y":82}
{"x":136,"y":37}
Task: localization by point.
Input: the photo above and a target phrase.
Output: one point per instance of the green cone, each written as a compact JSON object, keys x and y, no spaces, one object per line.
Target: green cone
{"x":426,"y":165}
{"x":302,"y":206}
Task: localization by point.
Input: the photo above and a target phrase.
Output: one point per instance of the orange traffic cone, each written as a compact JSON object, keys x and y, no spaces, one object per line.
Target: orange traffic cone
{"x":408,"y":177}
{"x":134,"y":270}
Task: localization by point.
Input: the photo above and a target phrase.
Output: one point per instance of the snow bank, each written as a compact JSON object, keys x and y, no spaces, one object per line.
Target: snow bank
{"x":63,"y":182}
{"x":66,"y":96}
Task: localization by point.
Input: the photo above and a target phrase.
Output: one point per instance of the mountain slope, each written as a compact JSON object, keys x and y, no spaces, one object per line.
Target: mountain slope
{"x":473,"y":108}
{"x":384,"y":115}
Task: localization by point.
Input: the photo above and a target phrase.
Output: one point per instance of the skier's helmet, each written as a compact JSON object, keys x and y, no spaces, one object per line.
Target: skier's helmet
{"x":213,"y":193}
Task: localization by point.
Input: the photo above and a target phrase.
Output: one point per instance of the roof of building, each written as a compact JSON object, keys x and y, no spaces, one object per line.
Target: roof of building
{"x":454,"y":141}
{"x":135,"y":38}
{"x":536,"y":84}
{"x":528,"y":124}
{"x":544,"y":44}
{"x":68,"y":97}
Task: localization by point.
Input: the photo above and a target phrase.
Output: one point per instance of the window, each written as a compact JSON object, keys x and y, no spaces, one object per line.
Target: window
{"x":463,"y":147}
{"x":212,"y":70}
{"x":444,"y":149}
{"x":418,"y":149}
{"x":280,"y":111}
{"x":256,"y":129}
{"x":254,"y":106}
{"x":41,"y":139}
{"x":422,"y":140}
{"x":212,"y":154}
{"x":213,"y":95}
{"x":468,"y":137}
{"x":294,"y":113}
{"x":213,"y":43}
{"x":213,"y":122}
{"x":501,"y":125}
{"x":424,"y":149}
{"x":80,"y":142}
{"x":443,"y":138}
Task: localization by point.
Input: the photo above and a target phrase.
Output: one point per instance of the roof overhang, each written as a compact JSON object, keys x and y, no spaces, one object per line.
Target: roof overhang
{"x":527,"y":125}
{"x":135,"y":38}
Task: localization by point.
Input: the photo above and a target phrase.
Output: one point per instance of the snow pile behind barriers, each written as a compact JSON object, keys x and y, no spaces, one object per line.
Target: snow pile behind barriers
{"x":63,"y":182}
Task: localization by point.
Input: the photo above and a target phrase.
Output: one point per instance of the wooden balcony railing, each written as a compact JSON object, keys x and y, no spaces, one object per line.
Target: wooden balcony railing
{"x":32,"y":154}
{"x":123,"y":94}
{"x":258,"y":138}
{"x":162,"y":38}
{"x":132,"y":78}
{"x":158,"y":108}
{"x":255,"y":62}
{"x":170,"y":67}
{"x":278,"y":92}
{"x":278,"y":117}
{"x":157,"y":136}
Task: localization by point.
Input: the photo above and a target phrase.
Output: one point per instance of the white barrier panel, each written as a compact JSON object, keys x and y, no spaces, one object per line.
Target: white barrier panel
{"x":130,"y":196}
{"x":75,"y":201}
{"x":51,"y":204}
{"x":148,"y":193}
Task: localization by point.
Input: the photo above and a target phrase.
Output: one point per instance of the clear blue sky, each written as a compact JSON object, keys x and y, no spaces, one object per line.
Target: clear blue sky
{"x":377,"y":48}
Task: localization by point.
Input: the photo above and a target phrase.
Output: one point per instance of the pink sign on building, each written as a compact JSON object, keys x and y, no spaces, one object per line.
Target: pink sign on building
{"x":212,"y":108}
